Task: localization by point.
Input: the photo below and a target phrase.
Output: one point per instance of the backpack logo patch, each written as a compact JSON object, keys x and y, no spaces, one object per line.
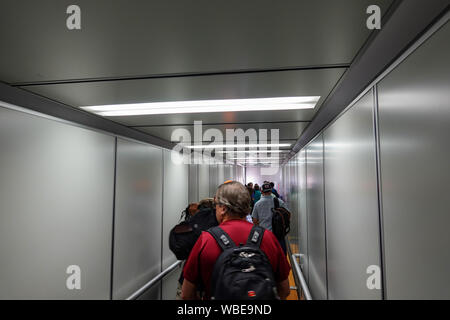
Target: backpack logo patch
{"x":224,"y":240}
{"x":255,"y":237}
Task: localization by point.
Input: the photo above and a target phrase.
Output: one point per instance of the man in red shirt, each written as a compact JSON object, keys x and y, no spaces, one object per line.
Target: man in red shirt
{"x":232,"y":206}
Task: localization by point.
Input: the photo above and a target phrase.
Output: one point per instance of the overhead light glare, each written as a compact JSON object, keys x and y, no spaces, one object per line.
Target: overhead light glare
{"x":253,"y":151}
{"x":256,"y":159}
{"x":231,"y":146}
{"x":205,"y":106}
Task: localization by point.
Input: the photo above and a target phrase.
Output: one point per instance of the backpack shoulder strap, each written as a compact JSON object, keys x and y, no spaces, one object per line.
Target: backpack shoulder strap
{"x":222,"y":238}
{"x":256,"y":235}
{"x":276,"y":202}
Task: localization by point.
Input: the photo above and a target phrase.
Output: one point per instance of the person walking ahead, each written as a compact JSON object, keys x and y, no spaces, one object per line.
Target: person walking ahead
{"x":232,"y":205}
{"x":262,"y":211}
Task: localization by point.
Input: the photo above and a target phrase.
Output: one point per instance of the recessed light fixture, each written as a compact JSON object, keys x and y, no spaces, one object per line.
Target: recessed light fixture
{"x":254,"y":151}
{"x":260,"y":162}
{"x":204,"y":106}
{"x":231,"y":146}
{"x":256,"y":159}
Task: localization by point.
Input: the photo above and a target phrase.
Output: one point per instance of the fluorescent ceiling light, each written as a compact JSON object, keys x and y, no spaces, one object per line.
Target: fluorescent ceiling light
{"x":262,"y":162}
{"x":203,"y":106}
{"x":255,"y":159}
{"x":230,"y":146}
{"x":254,"y":151}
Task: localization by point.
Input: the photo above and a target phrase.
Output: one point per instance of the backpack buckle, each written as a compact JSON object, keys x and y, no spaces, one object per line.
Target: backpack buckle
{"x":255,"y":237}
{"x":224,"y":240}
{"x":246,"y":254}
{"x":250,"y":269}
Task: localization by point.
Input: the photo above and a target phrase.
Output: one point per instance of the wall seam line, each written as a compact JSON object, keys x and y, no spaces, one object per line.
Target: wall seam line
{"x":162,"y":224}
{"x":379,"y":191}
{"x":113,"y":221}
{"x":325,"y":212}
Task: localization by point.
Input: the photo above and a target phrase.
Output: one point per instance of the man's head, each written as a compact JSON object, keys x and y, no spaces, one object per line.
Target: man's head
{"x":266,"y":189}
{"x":232,"y":201}
{"x":272,"y":185}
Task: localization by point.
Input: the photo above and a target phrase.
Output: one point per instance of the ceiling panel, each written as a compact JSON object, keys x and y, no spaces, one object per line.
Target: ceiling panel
{"x":140,"y":37}
{"x":288,"y":132}
{"x":317,"y":82}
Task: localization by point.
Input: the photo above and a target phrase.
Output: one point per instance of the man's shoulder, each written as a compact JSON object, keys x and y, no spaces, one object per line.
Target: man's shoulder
{"x":204,"y":236}
{"x":259,"y":203}
{"x":266,"y":198}
{"x":233,"y":225}
{"x":282,"y":203}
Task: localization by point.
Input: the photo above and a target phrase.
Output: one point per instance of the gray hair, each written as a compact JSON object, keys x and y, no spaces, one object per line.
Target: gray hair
{"x":235,"y":197}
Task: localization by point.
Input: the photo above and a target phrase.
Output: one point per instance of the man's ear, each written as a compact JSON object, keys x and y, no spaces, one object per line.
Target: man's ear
{"x":223,"y":209}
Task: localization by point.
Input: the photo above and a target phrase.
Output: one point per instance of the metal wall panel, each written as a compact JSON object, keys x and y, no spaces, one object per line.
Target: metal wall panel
{"x":228,"y":173}
{"x":202,"y":36}
{"x":56,"y":205}
{"x":317,"y":268}
{"x":303,"y":214}
{"x":203,"y":181}
{"x":220,"y":174}
{"x":414,"y":125}
{"x":283,"y":181}
{"x":287,"y":184}
{"x":293,"y":205}
{"x":193,"y":183}
{"x":175,"y":200}
{"x":213,"y":175}
{"x":240,"y":174}
{"x":352,"y":218}
{"x":137,"y":245}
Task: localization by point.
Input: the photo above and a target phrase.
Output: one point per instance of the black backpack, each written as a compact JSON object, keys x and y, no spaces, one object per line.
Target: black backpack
{"x":281,"y":218}
{"x":183,"y":236}
{"x":244,"y":272}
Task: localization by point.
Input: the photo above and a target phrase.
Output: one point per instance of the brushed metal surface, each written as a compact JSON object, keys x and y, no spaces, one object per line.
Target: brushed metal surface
{"x":293,"y":206}
{"x":129,"y":38}
{"x":137,"y":248}
{"x":302,"y":212}
{"x":203,"y":181}
{"x":56,"y":206}
{"x":175,"y":200}
{"x":414,"y":122}
{"x":233,"y":86}
{"x":317,"y":260}
{"x":352,"y":217}
{"x":194,"y":183}
{"x":213,"y":179}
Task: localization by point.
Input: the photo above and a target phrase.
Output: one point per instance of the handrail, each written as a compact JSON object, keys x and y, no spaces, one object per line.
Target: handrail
{"x":154,"y":281}
{"x":299,"y":273}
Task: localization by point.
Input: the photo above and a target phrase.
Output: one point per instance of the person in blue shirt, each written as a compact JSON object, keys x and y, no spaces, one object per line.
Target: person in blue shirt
{"x":262,"y":211}
{"x":274,"y":191}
